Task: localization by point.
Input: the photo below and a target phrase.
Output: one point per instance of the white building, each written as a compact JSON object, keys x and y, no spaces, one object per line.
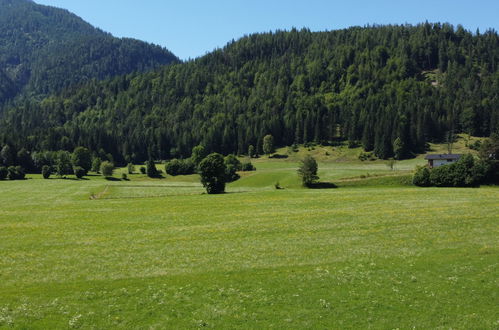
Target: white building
{"x":437,"y":160}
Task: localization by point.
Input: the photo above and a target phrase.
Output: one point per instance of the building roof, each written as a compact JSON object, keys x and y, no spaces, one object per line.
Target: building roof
{"x":443,"y":156}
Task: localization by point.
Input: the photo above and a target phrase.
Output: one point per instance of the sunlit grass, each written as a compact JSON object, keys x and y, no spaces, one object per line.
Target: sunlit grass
{"x":159,"y":253}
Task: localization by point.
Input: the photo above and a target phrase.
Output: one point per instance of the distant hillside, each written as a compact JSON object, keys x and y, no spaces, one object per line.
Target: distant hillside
{"x":45,"y":49}
{"x":390,"y":89}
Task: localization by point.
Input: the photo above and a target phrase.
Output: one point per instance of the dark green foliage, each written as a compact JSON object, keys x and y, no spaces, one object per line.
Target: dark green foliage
{"x":107,"y":169}
{"x":363,"y":156}
{"x":180,"y":167}
{"x":246,"y":167}
{"x":130,"y":168}
{"x":251,"y":151}
{"x":20,"y":172}
{"x":82,"y":157}
{"x":45,"y":49}
{"x":11,"y":173}
{"x":63,"y":163}
{"x":124,"y":176}
{"x":46,"y":171}
{"x":422,"y":177}
{"x":489,"y":149}
{"x":233,"y":161}
{"x":308,"y":171}
{"x":42,"y":158}
{"x":372,"y":84}
{"x":399,"y":151}
{"x":212,"y":170}
{"x":151,"y":169}
{"x":233,"y":165}
{"x":15,"y":173}
{"x":142,"y":170}
{"x":79,"y":172}
{"x":198,"y":154}
{"x":3,"y":172}
{"x":7,"y":156}
{"x":475,"y":145}
{"x":96,"y":164}
{"x":489,"y":154}
{"x":466,"y":172}
{"x":24,"y":160}
{"x":268,"y":144}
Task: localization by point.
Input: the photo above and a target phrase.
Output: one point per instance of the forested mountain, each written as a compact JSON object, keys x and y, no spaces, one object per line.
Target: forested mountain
{"x":389,"y":88}
{"x":45,"y":49}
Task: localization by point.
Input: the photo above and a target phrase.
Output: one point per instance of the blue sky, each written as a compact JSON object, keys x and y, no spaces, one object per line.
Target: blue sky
{"x":191,"y":28}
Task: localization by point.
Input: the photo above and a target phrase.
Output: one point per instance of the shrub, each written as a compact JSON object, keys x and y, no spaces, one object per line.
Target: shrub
{"x":131,"y":168}
{"x":422,"y":177}
{"x":46,"y":171}
{"x":363,"y":156}
{"x":198,"y":154}
{"x":180,"y":167}
{"x":20,"y":173}
{"x":232,"y":160}
{"x":96,"y":163}
{"x":213,"y":173}
{"x":142,"y":170}
{"x":63,"y":163}
{"x":233,"y":165}
{"x":15,"y":173}
{"x":231,"y":173}
{"x":151,"y":169}
{"x":247,"y":167}
{"x":107,"y":169}
{"x":124,"y":176}
{"x":251,"y":151}
{"x":11,"y":173}
{"x":475,"y":145}
{"x":79,"y":172}
{"x":3,"y":173}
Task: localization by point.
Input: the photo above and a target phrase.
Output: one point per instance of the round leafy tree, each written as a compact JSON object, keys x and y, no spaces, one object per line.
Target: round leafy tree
{"x":82,"y":158}
{"x":107,"y":169}
{"x":213,"y":173}
{"x":308,"y":171}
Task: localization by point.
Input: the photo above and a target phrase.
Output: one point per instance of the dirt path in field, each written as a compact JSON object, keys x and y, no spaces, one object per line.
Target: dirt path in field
{"x":101,"y":194}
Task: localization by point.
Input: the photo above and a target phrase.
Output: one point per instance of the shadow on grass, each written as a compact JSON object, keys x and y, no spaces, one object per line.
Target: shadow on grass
{"x":279,"y":156}
{"x":110,"y":178}
{"x":322,"y":185}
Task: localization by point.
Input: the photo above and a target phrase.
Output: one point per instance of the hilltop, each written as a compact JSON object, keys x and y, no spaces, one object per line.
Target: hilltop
{"x":45,"y":49}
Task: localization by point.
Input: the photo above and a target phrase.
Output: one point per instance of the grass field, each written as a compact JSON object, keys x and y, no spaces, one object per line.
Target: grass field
{"x":374,"y":253}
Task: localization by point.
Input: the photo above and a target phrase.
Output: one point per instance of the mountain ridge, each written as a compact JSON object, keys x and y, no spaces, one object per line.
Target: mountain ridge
{"x":45,"y":49}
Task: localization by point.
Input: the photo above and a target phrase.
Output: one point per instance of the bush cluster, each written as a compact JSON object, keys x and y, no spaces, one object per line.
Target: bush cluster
{"x":247,"y":167}
{"x":466,"y":172}
{"x":363,"y":156}
{"x":180,"y":167}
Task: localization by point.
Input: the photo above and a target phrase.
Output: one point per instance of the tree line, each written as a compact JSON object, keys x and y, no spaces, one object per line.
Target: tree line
{"x":389,"y":89}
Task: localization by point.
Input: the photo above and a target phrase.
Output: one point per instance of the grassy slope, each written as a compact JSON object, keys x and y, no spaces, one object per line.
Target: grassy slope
{"x":158,"y":253}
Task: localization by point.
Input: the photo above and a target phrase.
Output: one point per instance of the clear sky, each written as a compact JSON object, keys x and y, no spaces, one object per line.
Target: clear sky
{"x":191,"y":28}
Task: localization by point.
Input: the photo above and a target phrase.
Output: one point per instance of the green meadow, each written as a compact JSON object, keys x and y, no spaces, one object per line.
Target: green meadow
{"x":376,"y":252}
